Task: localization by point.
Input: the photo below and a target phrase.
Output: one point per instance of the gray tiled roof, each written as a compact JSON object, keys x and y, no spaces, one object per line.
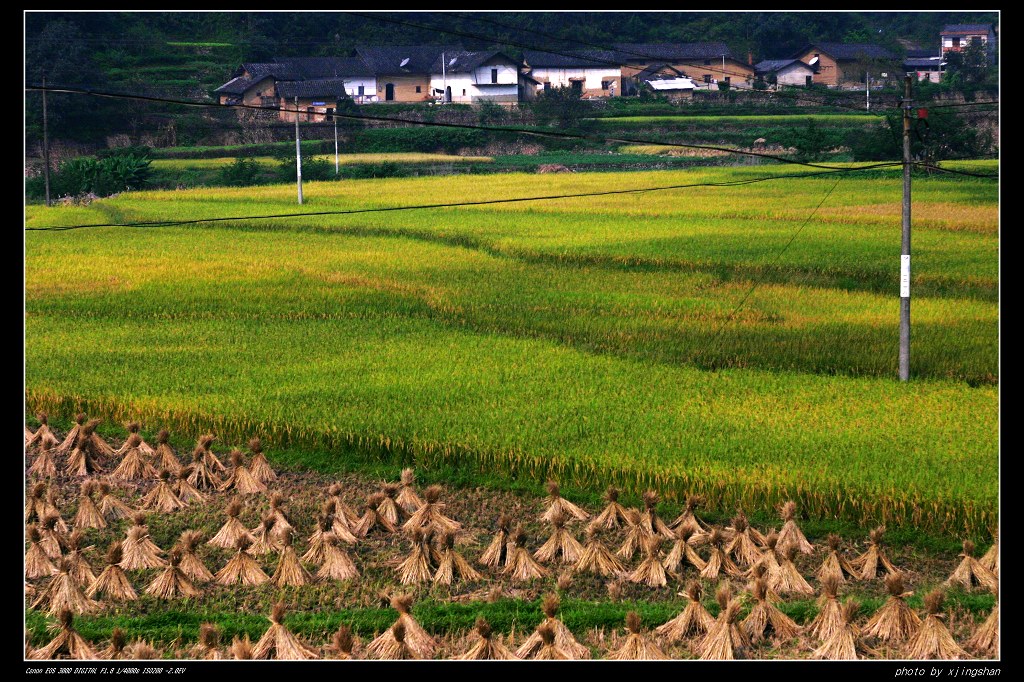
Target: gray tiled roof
{"x":568,"y":59}
{"x":845,"y":51}
{"x":673,"y":52}
{"x":413,"y":59}
{"x":319,"y":87}
{"x":920,"y":62}
{"x":308,"y":68}
{"x":464,"y":62}
{"x":770,"y":65}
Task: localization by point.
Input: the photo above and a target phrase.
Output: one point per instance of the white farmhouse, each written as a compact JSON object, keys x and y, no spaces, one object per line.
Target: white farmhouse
{"x":461,"y":76}
{"x":593,"y":73}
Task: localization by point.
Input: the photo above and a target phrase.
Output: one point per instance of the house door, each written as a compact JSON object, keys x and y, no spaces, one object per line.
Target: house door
{"x":389,"y":92}
{"x":448,"y":94}
{"x":808,"y":81}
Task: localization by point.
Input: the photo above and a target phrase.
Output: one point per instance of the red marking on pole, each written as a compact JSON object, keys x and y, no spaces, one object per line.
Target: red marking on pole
{"x":922,"y":113}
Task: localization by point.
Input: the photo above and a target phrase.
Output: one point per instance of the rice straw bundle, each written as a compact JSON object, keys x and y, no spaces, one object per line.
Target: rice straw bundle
{"x":431,"y":513}
{"x":787,"y":579}
{"x":395,"y":648}
{"x":341,"y":644}
{"x":51,"y":540}
{"x":563,"y":638}
{"x":337,"y":564}
{"x":139,"y":551}
{"x":67,"y":644}
{"x":418,"y":640}
{"x":142,"y":650}
{"x":111,"y":507}
{"x":760,"y":571}
{"x":520,"y":565}
{"x":43,"y":438}
{"x":485,"y":648}
{"x":791,"y":535}
{"x":88,"y":514}
{"x":495,"y":554}
{"x":185,"y":491}
{"x":870,"y":562}
{"x":162,"y":498}
{"x":115,"y":651}
{"x":339,"y":522}
{"x":289,"y":570}
{"x":133,"y":466}
{"x":895,"y":621}
{"x":388,"y":507}
{"x":37,"y":563}
{"x":317,"y":541}
{"x":561,"y":544}
{"x":990,"y":559}
{"x":830,"y":612}
{"x":241,"y":479}
{"x":636,"y":647}
{"x":688,"y":521}
{"x":651,"y":572}
{"x":242,"y":569}
{"x":145,"y":448}
{"x":50,"y":508}
{"x":933,"y":639}
{"x":650,"y":520}
{"x":201,"y":476}
{"x":81,"y":572}
{"x":841,"y":644}
{"x":165,"y":457}
{"x":693,"y":620}
{"x":450,"y":563}
{"x":232,"y":529}
{"x":743,"y":546}
{"x":407,"y":497}
{"x":260,"y":467}
{"x":835,"y":564}
{"x":417,"y":567}
{"x":636,"y":535}
{"x":191,"y":564}
{"x":613,"y":515}
{"x":279,"y":643}
{"x":62,"y":592}
{"x":373,"y":519}
{"x":683,"y":552}
{"x":203,"y":450}
{"x":970,"y":572}
{"x":81,"y":461}
{"x":44,"y":465}
{"x":71,"y":438}
{"x":173,"y":582}
{"x":208,"y":648}
{"x":548,"y":649}
{"x":597,"y":558}
{"x":35,"y":506}
{"x":241,"y":648}
{"x":112,"y":582}
{"x":725,"y":639}
{"x":985,"y":640}
{"x":765,"y":615}
{"x":557,"y":503}
{"x":718,"y":561}
{"x":343,"y":513}
{"x":282,"y":523}
{"x":266,"y":541}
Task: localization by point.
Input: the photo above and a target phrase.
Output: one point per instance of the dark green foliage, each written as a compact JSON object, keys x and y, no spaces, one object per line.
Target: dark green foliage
{"x":117,"y":171}
{"x":241,"y":173}
{"x":945,"y":135}
{"x":562,"y":107}
{"x":312,"y":169}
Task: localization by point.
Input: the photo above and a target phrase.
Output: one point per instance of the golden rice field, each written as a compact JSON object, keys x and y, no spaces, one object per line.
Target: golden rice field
{"x":343,"y":159}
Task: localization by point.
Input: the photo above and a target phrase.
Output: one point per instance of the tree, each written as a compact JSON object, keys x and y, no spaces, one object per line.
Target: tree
{"x":967,"y":68}
{"x":561,"y":106}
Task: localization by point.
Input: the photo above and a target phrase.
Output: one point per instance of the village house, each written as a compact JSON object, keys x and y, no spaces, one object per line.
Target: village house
{"x":843,"y":65}
{"x":955,"y":37}
{"x":706,"y":63}
{"x":469,"y":77}
{"x":926,"y":65}
{"x":592,"y":73}
{"x":782,"y":72}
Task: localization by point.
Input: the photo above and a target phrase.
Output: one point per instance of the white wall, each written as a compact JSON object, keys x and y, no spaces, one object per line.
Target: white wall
{"x":369,"y":84}
{"x":793,"y":76}
{"x":560,"y":78}
{"x":464,"y":81}
{"x":506,"y":74}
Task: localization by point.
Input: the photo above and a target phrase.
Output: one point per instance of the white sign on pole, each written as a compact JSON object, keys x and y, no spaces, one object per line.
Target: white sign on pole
{"x":904,"y":276}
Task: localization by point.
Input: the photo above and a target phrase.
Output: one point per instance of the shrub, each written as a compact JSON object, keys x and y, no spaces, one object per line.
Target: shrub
{"x":241,"y":173}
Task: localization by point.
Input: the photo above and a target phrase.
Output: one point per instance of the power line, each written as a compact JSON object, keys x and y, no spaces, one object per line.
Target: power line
{"x":962,"y":104}
{"x":928,"y":166}
{"x":383,"y":209}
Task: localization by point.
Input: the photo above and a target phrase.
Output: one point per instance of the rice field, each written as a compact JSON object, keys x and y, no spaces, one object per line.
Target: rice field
{"x":594,"y":339}
{"x":343,"y":159}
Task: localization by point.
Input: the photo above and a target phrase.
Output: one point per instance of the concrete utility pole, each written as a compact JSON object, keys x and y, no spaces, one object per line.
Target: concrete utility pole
{"x":905,"y":250}
{"x":867,"y":80}
{"x":298,"y":151}
{"x":46,"y":148}
{"x":335,"y":117}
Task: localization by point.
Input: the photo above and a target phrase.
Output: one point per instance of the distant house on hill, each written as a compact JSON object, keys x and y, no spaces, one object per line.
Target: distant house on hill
{"x":672,"y":88}
{"x":927,"y":65}
{"x":955,"y":37}
{"x":844,"y":64}
{"x":592,"y":73}
{"x":703,"y":62}
{"x":785,"y":72}
{"x":461,"y":76}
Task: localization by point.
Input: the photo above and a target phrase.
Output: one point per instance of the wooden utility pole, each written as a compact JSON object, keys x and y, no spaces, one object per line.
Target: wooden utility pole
{"x":298,"y":151}
{"x":905,"y":250}
{"x":46,"y":148}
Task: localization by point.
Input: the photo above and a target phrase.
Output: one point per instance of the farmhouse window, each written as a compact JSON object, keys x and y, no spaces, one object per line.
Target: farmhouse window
{"x":362,"y":90}
{"x":463,"y":92}
{"x":418,"y":88}
{"x":727,"y":79}
{"x":707,"y":78}
{"x":494,"y":75}
{"x":547,"y":87}
{"x":605,"y":84}
{"x":956,"y":42}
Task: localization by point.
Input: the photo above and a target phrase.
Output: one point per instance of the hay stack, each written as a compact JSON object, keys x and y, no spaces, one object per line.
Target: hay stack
{"x":395,"y":648}
{"x":115,"y":651}
{"x":485,"y":648}
{"x":495,"y":554}
{"x":636,"y":647}
{"x":35,"y":506}
{"x":66,"y":644}
{"x":841,"y":644}
{"x":139,"y":551}
{"x":173,"y":582}
{"x":597,"y":558}
{"x":418,"y":640}
{"x":787,"y":579}
{"x":279,"y":643}
{"x":343,"y":513}
{"x":71,"y":438}
{"x":933,"y":639}
{"x":549,"y":649}
{"x":191,"y":564}
{"x":431,"y":514}
{"x":44,"y":465}
{"x":691,"y":621}
{"x":744,"y":543}
{"x":985,"y":641}
{"x":372,"y":519}
{"x":718,"y":561}
{"x":162,"y":497}
{"x":141,"y":650}
{"x":451,"y":563}
{"x":970,"y":572}
{"x":241,"y":648}
{"x":51,"y":539}
{"x":388,"y":507}
{"x":636,"y":535}
{"x":725,"y":639}
{"x":201,"y":476}
{"x":407,"y":497}
{"x":557,"y":503}
{"x":760,"y":571}
{"x":687,"y":521}
{"x":650,"y":520}
{"x":165,"y":457}
{"x":874,"y":559}
{"x":895,"y":621}
{"x":289,"y":570}
{"x":341,"y":644}
{"x":317,"y":541}
{"x":232,"y":529}
{"x":613,"y":515}
{"x":683,"y":552}
{"x":88,"y":514}
{"x":81,"y":572}
{"x":208,"y":648}
{"x":43,"y":438}
{"x":561,"y":545}
{"x":81,"y":461}
{"x":563,"y":638}
{"x":145,"y":448}
{"x":37,"y":563}
{"x":241,"y":480}
{"x":112,"y":582}
{"x":340,"y":525}
{"x":765,"y":615}
{"x":791,"y":535}
{"x":62,"y":592}
{"x":266,"y":541}
{"x":651,"y":571}
{"x":185,"y":491}
{"x":830,"y":612}
{"x":990,"y":559}
{"x":203,"y":450}
{"x":259,"y":466}
{"x":242,"y":568}
{"x":418,"y":566}
{"x":835,"y":564}
{"x":337,"y":564}
{"x":520,"y":565}
{"x":133,"y":466}
{"x":111,"y":507}
{"x":282,"y":523}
